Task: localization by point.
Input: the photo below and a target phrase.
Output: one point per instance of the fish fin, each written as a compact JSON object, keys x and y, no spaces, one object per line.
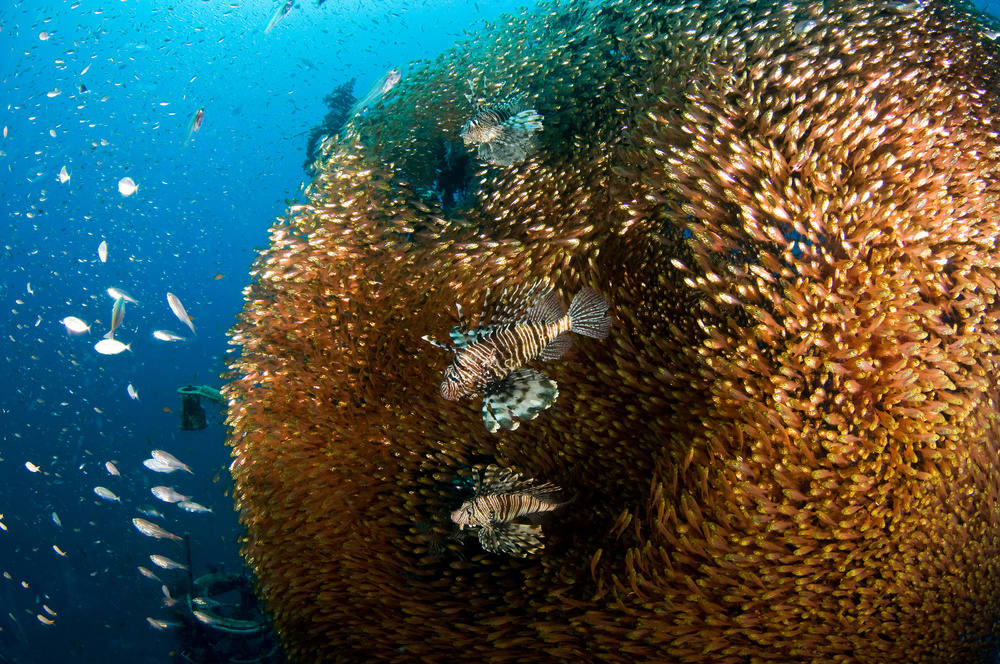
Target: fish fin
{"x":435,"y":342}
{"x":515,"y":539}
{"x":110,"y":335}
{"x":497,"y":480}
{"x":496,"y":416}
{"x":521,"y":395}
{"x":513,"y":306}
{"x":524,"y":122}
{"x":463,"y":338}
{"x":588,"y":314}
{"x":547,"y":309}
{"x":557,"y":347}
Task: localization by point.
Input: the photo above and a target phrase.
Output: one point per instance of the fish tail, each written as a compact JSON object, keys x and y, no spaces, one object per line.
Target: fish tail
{"x":588,"y":314}
{"x":110,"y":335}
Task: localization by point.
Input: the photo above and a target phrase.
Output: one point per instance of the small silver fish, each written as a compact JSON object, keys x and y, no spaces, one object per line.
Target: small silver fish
{"x":116,"y":293}
{"x":504,"y":130}
{"x":195,"y":124}
{"x":149,"y":574}
{"x":150,"y":511}
{"x":207,"y":618}
{"x":168,"y":459}
{"x":158,"y":466}
{"x":376,"y":92}
{"x":167,"y":335}
{"x":102,"y":251}
{"x":178,"y":309}
{"x":106,"y":494}
{"x":168,"y":495}
{"x":193,"y":507}
{"x":153,"y":530}
{"x":112,"y":468}
{"x":74,"y":325}
{"x":166,"y":563}
{"x":489,"y":360}
{"x":132,"y":392}
{"x":111,"y":347}
{"x":117,"y":315}
{"x":501,"y":498}
{"x":156,"y":623}
{"x":279,"y":15}
{"x":127,"y":186}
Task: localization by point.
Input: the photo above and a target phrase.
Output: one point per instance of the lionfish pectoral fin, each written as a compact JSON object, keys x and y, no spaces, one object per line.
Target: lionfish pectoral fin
{"x":514,"y":539}
{"x":462,"y":338}
{"x":497,"y":415}
{"x":521,"y":395}
{"x":435,"y":342}
{"x":557,"y":347}
{"x":526,"y":122}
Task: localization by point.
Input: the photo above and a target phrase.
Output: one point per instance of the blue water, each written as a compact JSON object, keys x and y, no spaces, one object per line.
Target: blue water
{"x":193,"y":228}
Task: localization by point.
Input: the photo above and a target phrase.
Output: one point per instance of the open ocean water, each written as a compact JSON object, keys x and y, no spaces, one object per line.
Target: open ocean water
{"x":107,"y":90}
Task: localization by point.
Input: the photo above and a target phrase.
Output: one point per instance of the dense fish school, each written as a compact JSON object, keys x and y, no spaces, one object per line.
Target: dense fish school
{"x":787,"y":447}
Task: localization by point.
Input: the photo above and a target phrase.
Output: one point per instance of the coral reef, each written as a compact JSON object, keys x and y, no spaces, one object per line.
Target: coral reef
{"x":338,"y":104}
{"x":787,"y":448}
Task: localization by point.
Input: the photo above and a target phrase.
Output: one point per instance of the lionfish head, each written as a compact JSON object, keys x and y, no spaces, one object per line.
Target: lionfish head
{"x":463,"y":515}
{"x":483,"y":128}
{"x":453,"y":387}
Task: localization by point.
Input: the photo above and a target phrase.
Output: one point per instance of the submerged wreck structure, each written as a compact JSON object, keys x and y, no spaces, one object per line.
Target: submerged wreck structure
{"x":787,"y":448}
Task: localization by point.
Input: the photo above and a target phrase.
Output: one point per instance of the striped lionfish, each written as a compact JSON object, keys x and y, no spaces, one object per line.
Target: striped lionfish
{"x":501,"y":498}
{"x":489,"y":360}
{"x":503,"y":130}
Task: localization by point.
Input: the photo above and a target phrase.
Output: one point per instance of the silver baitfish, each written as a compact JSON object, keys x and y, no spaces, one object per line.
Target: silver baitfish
{"x":489,"y":360}
{"x":504,"y":130}
{"x":502,"y":497}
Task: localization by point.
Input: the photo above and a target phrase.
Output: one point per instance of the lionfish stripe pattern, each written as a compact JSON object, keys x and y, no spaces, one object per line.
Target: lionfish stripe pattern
{"x":501,"y":498}
{"x":489,"y":360}
{"x":503,"y":130}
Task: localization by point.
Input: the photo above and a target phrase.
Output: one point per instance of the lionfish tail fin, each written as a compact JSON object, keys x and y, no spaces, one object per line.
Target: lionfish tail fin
{"x":521,"y":395}
{"x":588,"y":314}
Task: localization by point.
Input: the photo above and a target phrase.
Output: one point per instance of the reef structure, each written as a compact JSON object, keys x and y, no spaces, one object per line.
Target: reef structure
{"x":787,"y":448}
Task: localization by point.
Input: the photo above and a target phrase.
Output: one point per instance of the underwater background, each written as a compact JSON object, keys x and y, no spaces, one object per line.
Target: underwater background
{"x":108,"y":90}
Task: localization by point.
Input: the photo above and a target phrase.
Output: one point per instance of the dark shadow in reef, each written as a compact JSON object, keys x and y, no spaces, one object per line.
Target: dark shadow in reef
{"x":338,"y":104}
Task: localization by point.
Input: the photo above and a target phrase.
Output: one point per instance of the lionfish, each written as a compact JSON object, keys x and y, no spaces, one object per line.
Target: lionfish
{"x":501,"y":498}
{"x":503,"y":130}
{"x":489,"y":360}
